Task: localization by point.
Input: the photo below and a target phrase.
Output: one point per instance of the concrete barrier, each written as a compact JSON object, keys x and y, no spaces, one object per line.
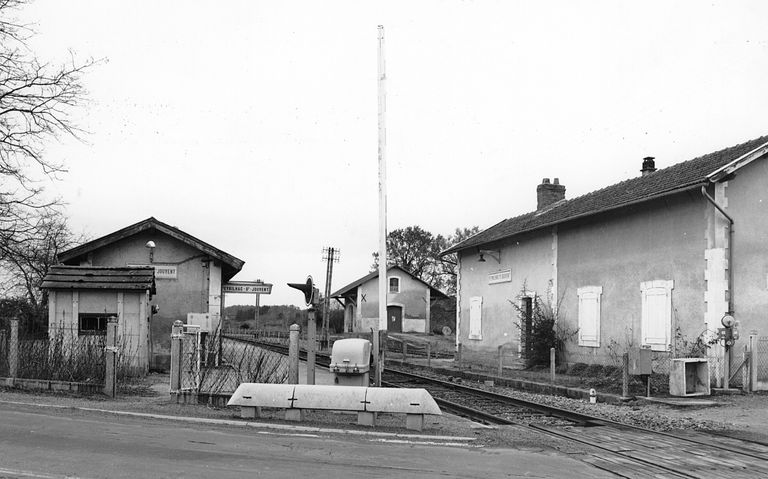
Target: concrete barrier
{"x":295,"y":399}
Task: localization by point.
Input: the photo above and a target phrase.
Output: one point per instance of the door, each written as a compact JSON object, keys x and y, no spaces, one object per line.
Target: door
{"x":395,"y":319}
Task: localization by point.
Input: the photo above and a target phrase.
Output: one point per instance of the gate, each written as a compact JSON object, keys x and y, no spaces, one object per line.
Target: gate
{"x":758,"y":345}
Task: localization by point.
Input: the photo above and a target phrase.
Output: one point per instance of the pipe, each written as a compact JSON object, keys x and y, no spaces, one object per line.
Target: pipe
{"x":730,"y":246}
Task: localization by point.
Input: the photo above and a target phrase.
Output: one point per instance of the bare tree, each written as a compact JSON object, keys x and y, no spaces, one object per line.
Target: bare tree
{"x":37,"y":100}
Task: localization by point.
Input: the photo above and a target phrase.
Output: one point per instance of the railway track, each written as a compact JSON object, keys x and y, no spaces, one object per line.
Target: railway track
{"x":624,"y":450}
{"x":627,"y":451}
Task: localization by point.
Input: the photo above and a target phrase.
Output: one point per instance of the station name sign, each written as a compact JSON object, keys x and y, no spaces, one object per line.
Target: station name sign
{"x":251,"y":287}
{"x":162,"y":271}
{"x":503,"y":276}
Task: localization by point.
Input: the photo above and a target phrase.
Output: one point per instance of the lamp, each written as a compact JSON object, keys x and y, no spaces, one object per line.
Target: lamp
{"x":495,"y":254}
{"x":151,"y":245}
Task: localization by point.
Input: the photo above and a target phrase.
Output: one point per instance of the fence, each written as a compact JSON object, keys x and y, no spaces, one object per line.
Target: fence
{"x":215,"y":364}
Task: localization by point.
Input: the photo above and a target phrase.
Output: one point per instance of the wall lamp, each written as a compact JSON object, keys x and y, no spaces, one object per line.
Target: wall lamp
{"x":151,"y":246}
{"x":495,"y":254}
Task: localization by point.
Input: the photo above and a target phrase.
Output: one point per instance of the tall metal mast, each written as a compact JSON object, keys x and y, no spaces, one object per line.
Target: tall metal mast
{"x":382,"y":209}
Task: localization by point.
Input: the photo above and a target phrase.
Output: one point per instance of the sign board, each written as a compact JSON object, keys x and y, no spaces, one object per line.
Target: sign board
{"x":162,"y":271}
{"x":503,"y":276}
{"x":251,"y":287}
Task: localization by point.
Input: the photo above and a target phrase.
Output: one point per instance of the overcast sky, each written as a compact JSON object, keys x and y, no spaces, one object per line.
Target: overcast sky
{"x":252,"y":124}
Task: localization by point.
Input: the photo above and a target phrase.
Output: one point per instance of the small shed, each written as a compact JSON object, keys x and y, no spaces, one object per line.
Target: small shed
{"x":82,"y":298}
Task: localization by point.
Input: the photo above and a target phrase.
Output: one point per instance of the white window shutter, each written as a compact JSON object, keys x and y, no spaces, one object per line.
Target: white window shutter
{"x":475,"y":317}
{"x":589,"y":315}
{"x":656,"y":314}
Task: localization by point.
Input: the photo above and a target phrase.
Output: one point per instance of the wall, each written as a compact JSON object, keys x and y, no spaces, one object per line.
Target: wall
{"x":190,"y":292}
{"x":530,"y":261}
{"x":657,"y":240}
{"x":411,"y":297}
{"x":130,"y":307}
{"x":747,"y":202}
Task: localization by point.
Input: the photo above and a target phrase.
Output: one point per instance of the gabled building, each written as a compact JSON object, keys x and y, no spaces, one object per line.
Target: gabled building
{"x":643,"y":262}
{"x":81,"y":299}
{"x":189,"y":274}
{"x":408,"y":302}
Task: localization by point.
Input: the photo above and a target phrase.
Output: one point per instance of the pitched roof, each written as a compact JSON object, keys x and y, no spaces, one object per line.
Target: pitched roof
{"x":679,"y":177}
{"x":140,"y":278}
{"x":353,"y":285}
{"x":234,"y":264}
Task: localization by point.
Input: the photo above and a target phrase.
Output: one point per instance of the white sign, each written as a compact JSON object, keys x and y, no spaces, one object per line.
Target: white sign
{"x":504,"y":276}
{"x":162,"y":271}
{"x":251,"y":287}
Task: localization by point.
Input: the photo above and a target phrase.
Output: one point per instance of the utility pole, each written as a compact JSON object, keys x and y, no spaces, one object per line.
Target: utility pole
{"x":330,"y":255}
{"x":382,"y":77}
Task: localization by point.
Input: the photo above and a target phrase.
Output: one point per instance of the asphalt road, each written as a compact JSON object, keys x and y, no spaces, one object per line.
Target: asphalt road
{"x":54,"y":443}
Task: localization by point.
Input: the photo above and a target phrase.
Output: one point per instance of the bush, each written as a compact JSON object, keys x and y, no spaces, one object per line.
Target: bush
{"x":578,"y":369}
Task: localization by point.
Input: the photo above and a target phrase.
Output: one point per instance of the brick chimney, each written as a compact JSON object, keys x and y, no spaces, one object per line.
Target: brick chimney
{"x":548,"y":193}
{"x":649,"y":166}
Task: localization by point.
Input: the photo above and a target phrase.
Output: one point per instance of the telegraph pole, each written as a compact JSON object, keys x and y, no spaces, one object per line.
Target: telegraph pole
{"x":330,"y":255}
{"x":382,"y":77}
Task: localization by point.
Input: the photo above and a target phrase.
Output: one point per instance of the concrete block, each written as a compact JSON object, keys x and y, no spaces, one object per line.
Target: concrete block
{"x":293,"y":414}
{"x":366,"y":418}
{"x":414,"y":422}
{"x":250,"y":412}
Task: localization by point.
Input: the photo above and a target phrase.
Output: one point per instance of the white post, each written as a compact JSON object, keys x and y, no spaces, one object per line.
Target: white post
{"x":382,"y":209}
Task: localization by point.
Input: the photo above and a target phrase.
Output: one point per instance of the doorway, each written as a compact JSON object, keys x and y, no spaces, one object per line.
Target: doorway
{"x":395,"y":319}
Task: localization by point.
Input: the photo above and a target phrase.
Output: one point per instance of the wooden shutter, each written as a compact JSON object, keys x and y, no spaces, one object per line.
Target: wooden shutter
{"x":656,"y":314}
{"x":475,"y":317}
{"x":589,"y":315}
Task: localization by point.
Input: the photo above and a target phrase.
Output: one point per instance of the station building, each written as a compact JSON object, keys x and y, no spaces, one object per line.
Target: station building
{"x":188,"y":272}
{"x":654,"y":261}
{"x":409,"y":301}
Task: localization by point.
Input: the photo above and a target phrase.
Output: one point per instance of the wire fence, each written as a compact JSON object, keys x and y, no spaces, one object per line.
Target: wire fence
{"x":218,"y":364}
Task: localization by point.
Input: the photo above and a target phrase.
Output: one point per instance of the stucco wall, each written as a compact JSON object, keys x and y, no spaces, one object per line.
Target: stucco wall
{"x":529,"y":259}
{"x":411,"y":297}
{"x":659,"y":240}
{"x":747,"y":203}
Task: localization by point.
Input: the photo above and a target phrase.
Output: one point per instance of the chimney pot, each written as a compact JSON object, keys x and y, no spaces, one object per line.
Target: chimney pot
{"x":547,"y":193}
{"x":649,"y":166}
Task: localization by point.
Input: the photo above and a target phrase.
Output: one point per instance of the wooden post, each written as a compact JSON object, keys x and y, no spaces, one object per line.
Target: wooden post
{"x":745,"y":371}
{"x":625,"y":375}
{"x":110,"y":356}
{"x":177,"y":337}
{"x":311,"y":345}
{"x":552,"y":365}
{"x":753,"y":361}
{"x":293,"y":354}
{"x":501,"y":361}
{"x":13,"y":350}
{"x":429,"y":356}
{"x":457,"y":358}
{"x":405,"y":351}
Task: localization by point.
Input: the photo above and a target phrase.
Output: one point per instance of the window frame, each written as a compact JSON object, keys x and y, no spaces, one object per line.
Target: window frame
{"x":101,"y":318}
{"x":589,"y":293}
{"x":389,"y":284}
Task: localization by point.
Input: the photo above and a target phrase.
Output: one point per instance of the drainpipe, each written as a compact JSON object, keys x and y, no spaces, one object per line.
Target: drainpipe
{"x":730,"y":247}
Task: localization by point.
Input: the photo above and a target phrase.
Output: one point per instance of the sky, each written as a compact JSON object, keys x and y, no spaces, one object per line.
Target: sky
{"x":252,"y":125}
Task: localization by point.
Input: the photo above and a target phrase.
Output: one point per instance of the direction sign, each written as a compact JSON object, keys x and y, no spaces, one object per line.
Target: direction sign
{"x":250,"y":287}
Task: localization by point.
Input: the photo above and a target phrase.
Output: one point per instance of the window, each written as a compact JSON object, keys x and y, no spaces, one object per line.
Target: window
{"x":589,"y":315}
{"x":92,"y":323}
{"x":394,"y":284}
{"x":475,"y":317}
{"x":656,"y":319}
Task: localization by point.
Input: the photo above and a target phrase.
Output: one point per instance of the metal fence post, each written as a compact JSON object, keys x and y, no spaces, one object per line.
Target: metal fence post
{"x":293,"y":354}
{"x":177,"y":336}
{"x":745,"y":371}
{"x":501,"y":360}
{"x":552,"y":365}
{"x":110,"y":358}
{"x":457,"y":358}
{"x":13,"y":350}
{"x":311,"y":345}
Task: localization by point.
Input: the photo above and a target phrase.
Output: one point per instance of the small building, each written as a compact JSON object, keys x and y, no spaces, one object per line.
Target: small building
{"x":188,"y":271}
{"x":82,"y":298}
{"x":654,"y":261}
{"x":408,"y":302}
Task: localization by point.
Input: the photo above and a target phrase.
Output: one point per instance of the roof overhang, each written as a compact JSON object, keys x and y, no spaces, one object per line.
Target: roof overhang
{"x":739,"y":162}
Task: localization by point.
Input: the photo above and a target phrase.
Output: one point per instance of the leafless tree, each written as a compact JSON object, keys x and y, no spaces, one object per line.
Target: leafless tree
{"x":37,"y":101}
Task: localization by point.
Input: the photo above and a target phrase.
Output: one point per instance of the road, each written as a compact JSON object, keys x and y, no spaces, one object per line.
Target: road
{"x":53,"y":443}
